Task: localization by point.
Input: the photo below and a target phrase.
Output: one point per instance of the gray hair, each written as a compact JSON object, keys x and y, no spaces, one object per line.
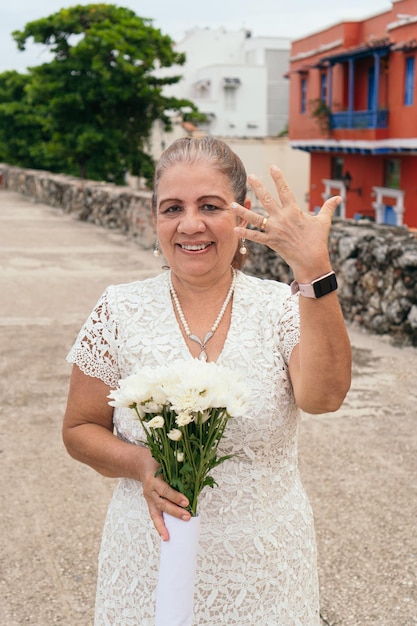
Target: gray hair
{"x":214,"y":151}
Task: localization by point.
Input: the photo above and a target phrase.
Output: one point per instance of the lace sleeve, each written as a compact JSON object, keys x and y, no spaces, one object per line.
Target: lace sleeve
{"x":96,"y":347}
{"x":289,"y":327}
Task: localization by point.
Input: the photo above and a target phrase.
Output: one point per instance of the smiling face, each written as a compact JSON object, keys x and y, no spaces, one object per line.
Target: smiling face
{"x":194,"y":221}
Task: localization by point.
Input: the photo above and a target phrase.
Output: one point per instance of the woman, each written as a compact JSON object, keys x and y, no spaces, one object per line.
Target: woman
{"x":257,"y":562}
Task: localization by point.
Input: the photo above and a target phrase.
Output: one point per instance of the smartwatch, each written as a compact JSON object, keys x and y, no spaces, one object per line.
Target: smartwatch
{"x":317,"y":288}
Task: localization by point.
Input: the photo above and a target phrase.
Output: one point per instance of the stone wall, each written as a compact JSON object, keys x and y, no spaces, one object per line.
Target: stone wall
{"x":104,"y":204}
{"x":376,"y":265}
{"x":376,"y":268}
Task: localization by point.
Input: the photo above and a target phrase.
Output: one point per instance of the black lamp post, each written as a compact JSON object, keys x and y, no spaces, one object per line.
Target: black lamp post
{"x":347,"y":180}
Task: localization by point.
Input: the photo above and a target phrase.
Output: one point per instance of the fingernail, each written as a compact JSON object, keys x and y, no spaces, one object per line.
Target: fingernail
{"x":274,"y":168}
{"x":185,"y":518}
{"x":234,"y":205}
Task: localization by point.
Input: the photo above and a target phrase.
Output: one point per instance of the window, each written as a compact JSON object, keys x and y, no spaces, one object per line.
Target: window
{"x":303,"y":106}
{"x":231,"y":83}
{"x":323,"y":87}
{"x":392,"y":173}
{"x":409,"y":81}
{"x":230,"y":99}
{"x":202,"y":88}
{"x":337,"y":168}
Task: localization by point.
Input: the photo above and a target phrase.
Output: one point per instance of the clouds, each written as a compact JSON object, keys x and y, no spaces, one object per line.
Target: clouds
{"x":281,"y":18}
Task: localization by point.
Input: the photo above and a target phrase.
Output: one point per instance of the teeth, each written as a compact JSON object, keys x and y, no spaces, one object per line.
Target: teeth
{"x":195,"y":248}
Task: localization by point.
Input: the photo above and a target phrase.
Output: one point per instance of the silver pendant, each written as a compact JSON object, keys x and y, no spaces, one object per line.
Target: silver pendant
{"x":205,"y":340}
{"x":202,"y":355}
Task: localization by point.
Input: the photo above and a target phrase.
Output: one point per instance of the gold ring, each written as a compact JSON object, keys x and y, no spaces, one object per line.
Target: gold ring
{"x":264,"y":221}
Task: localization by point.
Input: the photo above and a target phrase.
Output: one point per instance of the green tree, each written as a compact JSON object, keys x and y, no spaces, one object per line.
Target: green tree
{"x":21,"y":127}
{"x":95,"y":103}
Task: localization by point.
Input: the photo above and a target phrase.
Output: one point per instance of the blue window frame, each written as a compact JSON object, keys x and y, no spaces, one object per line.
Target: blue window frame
{"x":323,"y":86}
{"x":409,"y":81}
{"x":303,"y":95}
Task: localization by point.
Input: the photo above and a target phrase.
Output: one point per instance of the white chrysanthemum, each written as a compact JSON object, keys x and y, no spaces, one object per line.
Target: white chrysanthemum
{"x":156,"y":422}
{"x":184,"y":418}
{"x":189,"y":386}
{"x":193,"y":390}
{"x":204,"y":416}
{"x":140,"y":388}
{"x":174,"y":434}
{"x":196,"y":386}
{"x":130,"y":391}
{"x":151,"y":407}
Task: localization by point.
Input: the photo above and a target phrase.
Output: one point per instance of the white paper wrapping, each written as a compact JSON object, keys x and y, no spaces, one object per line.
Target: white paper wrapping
{"x":177,"y":567}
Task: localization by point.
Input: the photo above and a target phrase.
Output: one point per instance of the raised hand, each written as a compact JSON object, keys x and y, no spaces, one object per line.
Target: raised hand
{"x":298,"y":237}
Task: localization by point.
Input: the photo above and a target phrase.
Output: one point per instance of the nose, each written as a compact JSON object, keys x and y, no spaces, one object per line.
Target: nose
{"x":191,"y":222}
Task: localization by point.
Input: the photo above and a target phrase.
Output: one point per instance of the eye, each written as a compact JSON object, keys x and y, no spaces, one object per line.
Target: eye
{"x":171,"y":209}
{"x":210,"y":208}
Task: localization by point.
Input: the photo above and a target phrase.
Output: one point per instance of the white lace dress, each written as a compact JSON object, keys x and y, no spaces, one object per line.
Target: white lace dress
{"x":257,"y":551}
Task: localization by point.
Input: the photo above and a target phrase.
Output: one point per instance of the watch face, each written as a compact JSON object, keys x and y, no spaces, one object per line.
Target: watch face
{"x":325,"y":285}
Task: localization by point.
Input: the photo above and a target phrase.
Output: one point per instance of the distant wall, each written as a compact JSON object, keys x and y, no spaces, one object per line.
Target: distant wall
{"x":376,"y":265}
{"x":104,"y":204}
{"x":259,"y":154}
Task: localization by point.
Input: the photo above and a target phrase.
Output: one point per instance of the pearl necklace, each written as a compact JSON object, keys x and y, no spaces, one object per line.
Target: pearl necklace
{"x":202,"y":343}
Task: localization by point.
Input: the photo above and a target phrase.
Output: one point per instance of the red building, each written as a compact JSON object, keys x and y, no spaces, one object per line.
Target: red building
{"x":353,"y":106}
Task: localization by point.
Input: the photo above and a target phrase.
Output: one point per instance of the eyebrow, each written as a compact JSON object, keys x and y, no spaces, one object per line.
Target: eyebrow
{"x":200,"y":199}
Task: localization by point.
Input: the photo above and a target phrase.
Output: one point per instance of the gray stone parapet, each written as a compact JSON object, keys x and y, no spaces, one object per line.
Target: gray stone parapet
{"x":376,"y":267}
{"x":104,"y":204}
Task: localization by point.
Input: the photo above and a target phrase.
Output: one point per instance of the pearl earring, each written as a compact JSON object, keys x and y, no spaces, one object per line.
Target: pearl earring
{"x":243,"y":249}
{"x":156,"y":250}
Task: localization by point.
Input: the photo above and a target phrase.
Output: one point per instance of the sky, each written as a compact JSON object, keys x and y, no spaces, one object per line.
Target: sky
{"x":279,"y":18}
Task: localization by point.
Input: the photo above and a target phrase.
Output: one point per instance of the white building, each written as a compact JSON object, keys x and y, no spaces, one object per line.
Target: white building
{"x":236,"y":80}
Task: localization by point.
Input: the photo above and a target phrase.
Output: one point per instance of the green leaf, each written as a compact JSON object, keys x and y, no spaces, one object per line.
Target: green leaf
{"x":209,"y":482}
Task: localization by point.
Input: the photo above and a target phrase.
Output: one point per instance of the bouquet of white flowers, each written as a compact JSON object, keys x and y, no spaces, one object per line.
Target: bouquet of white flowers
{"x":184,"y":410}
